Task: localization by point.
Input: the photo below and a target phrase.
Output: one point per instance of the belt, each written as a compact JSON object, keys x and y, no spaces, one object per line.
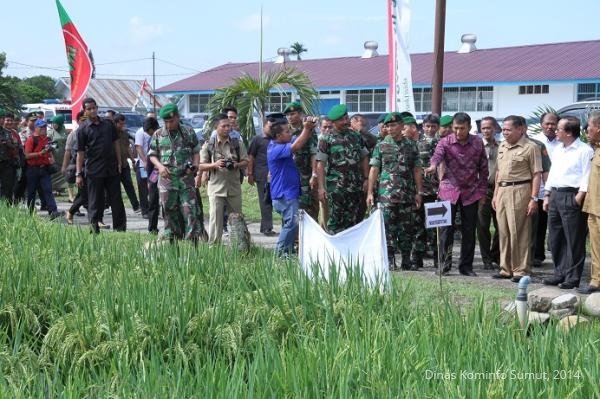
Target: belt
{"x":513,"y":183}
{"x":566,"y":189}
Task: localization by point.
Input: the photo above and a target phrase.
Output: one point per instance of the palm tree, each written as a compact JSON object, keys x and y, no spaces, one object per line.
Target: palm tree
{"x":297,"y":49}
{"x":250,"y":95}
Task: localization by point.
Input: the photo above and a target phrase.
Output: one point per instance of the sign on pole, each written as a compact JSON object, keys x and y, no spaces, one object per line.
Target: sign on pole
{"x":437,"y":214}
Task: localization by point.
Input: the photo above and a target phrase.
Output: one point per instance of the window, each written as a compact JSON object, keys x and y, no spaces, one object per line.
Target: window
{"x":534,"y":89}
{"x":455,"y":99}
{"x":197,"y":103}
{"x":587,"y":91}
{"x":366,"y":100}
{"x":276,"y":101}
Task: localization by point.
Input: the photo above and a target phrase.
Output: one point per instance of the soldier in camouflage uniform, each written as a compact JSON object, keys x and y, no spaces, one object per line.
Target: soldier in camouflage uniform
{"x":174,"y":151}
{"x":304,"y":160}
{"x":427,"y":144}
{"x":344,"y":153}
{"x":396,"y":164}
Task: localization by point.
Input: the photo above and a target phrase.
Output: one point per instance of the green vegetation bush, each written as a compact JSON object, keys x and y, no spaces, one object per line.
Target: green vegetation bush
{"x":84,"y":316}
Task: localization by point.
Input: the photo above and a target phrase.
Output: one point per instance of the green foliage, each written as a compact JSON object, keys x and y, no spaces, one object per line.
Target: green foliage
{"x":536,"y":114}
{"x":15,"y":91}
{"x":297,"y":49}
{"x":106,"y":316}
{"x":251,"y":95}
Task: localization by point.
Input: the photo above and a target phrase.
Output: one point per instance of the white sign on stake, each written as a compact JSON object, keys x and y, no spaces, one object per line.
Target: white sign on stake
{"x":437,"y":214}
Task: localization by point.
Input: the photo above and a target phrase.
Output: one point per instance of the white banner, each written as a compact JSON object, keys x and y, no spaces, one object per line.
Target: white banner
{"x":400,"y":67}
{"x":359,"y":249}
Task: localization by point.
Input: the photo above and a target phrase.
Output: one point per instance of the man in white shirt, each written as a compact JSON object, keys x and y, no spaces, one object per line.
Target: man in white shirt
{"x":565,"y":192}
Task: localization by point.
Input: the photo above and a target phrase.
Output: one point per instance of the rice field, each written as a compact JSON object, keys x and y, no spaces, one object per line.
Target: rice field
{"x":85,"y":316}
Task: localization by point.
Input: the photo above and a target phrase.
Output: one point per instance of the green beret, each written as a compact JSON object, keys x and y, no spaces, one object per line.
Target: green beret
{"x":168,"y":111}
{"x":392,"y":117}
{"x":58,"y":119}
{"x":2,"y":113}
{"x":409,"y":120}
{"x":445,"y":120}
{"x":381,"y":118}
{"x":337,"y":112}
{"x":405,"y":114}
{"x":293,"y":106}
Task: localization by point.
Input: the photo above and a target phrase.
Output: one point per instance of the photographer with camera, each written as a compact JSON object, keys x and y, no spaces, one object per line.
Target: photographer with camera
{"x":174,"y":153}
{"x":285,"y":177}
{"x":39,"y":157}
{"x":223,"y":160}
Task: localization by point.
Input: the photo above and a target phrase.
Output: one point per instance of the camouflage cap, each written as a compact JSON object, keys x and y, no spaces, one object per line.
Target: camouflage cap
{"x":168,"y":111}
{"x":393,"y":117}
{"x":445,"y":120}
{"x":293,"y":106}
{"x":337,"y":112}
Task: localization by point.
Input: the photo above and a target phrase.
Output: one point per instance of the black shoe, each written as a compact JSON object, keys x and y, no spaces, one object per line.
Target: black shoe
{"x":269,"y":233}
{"x":488,"y":266}
{"x":516,"y":279}
{"x":468,"y":273}
{"x":568,"y":285}
{"x":499,"y":276}
{"x":79,"y":214}
{"x":55,"y":215}
{"x":590,"y":289}
{"x":555,"y":280}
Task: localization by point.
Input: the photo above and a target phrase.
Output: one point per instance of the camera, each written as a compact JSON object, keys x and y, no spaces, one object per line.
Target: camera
{"x":51,"y":146}
{"x":188,"y":166}
{"x":229,"y":164}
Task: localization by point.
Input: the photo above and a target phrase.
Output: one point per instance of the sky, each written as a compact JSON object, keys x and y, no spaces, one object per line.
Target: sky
{"x":189,"y":36}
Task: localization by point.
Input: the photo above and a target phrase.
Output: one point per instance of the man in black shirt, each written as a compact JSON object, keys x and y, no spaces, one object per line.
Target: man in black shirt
{"x":97,"y":144}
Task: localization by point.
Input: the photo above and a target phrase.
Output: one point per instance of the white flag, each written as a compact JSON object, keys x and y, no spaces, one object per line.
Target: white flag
{"x":359,"y":249}
{"x":400,"y":68}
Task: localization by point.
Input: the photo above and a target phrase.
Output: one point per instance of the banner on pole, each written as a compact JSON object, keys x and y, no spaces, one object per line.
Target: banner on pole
{"x":400,"y":67}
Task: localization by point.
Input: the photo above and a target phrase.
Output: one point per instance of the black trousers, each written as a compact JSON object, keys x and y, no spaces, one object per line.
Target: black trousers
{"x":96,"y":188}
{"x":539,"y":225}
{"x":128,"y":186}
{"x":468,"y":215}
{"x":266,"y":209}
{"x":8,"y":174}
{"x":567,"y":233}
{"x":153,"y":206}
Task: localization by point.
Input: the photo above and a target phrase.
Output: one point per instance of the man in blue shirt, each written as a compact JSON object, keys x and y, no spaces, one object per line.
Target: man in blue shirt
{"x":285,"y":179}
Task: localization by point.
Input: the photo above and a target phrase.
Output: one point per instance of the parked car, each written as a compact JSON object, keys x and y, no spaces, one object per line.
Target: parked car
{"x":580,"y":109}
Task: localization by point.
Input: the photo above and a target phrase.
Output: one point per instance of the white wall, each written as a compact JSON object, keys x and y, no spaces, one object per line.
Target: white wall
{"x":508,"y":101}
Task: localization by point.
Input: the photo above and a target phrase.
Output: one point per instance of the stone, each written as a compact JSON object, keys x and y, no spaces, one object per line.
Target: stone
{"x":560,"y":313}
{"x":540,"y":300}
{"x":569,"y":322}
{"x":538,"y":318}
{"x":564,"y":301}
{"x":591,"y":305}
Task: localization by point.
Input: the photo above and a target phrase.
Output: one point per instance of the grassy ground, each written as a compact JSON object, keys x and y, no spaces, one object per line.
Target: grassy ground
{"x":87,"y":316}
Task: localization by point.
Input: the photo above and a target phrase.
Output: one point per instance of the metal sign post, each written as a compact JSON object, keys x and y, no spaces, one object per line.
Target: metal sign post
{"x":437,"y":214}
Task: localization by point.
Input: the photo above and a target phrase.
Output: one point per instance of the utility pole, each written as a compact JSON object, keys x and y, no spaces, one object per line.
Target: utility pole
{"x":437,"y":80}
{"x":153,"y":83}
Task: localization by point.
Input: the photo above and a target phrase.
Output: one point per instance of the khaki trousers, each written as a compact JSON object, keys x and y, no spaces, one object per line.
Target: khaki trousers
{"x":515,"y":229}
{"x":217,"y":205}
{"x":594,"y":227}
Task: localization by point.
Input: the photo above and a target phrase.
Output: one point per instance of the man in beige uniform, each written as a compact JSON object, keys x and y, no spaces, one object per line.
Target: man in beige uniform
{"x":592,"y":203}
{"x":519,"y":167}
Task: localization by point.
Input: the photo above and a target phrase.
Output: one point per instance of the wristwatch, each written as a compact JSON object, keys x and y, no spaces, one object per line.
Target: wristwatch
{"x":534,"y":198}
{"x":78,"y":174}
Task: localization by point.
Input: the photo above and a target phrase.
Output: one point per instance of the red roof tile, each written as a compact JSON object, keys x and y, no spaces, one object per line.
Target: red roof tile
{"x":533,"y":63}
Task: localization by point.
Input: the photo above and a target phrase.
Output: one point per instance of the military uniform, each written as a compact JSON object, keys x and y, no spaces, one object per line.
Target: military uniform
{"x":177,"y":193}
{"x":427,"y":238}
{"x":343,"y":153}
{"x":591,"y":206}
{"x":517,"y":164}
{"x":303,"y":160}
{"x":396,"y":193}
